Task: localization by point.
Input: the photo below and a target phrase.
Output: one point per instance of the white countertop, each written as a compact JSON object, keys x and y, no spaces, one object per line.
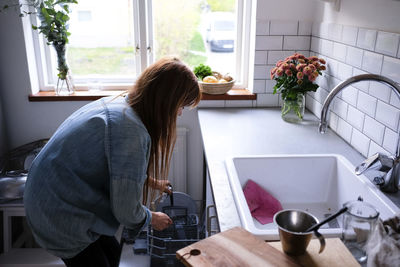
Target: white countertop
{"x":233,"y":132}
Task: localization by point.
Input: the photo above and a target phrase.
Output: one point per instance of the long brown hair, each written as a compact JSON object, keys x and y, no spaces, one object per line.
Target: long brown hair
{"x":157,"y":95}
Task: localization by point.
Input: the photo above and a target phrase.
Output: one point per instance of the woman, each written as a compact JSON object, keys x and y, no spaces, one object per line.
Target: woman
{"x":103,"y":162}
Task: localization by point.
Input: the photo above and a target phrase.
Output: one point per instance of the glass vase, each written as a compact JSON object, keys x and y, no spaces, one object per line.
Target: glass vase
{"x":293,"y":110}
{"x":65,"y":83}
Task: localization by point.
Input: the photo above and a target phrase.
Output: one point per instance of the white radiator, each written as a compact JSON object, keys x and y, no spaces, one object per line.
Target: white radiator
{"x":177,"y":171}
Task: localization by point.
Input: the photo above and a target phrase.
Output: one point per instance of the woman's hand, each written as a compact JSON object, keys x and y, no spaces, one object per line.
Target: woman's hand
{"x":161,"y":185}
{"x":160,"y":220}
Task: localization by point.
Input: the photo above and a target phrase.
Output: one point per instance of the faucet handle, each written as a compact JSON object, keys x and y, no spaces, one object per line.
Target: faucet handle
{"x":377,"y":161}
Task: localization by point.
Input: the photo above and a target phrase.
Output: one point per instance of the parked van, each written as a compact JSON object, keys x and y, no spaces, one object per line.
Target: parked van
{"x":221,"y":31}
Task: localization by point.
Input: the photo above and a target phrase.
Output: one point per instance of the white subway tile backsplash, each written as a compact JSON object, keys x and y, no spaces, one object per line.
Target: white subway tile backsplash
{"x":360,"y":142}
{"x":363,"y":85}
{"x":387,"y":43}
{"x":261,"y":72}
{"x":296,"y":42}
{"x":332,"y":67}
{"x":278,"y":27}
{"x":398,"y":52}
{"x":320,"y":95}
{"x":349,"y":95}
{"x":269,"y":42}
{"x":275,"y":56}
{"x":238,"y":104}
{"x":269,"y":86}
{"x":339,"y":51}
{"x":315,"y":29}
{"x":322,"y":81}
{"x":316,"y":44}
{"x":391,"y":68}
{"x":372,"y":62}
{"x":260,"y":57}
{"x":390,"y":140}
{"x":366,"y":114}
{"x":394,"y":99}
{"x":349,"y":35}
{"x":387,"y":115}
{"x":268,"y":100}
{"x":333,"y":121}
{"x":355,"y":118}
{"x":366,"y":38}
{"x":344,"y":71}
{"x":380,"y":91}
{"x":335,"y":31}
{"x":354,"y":56}
{"x":375,"y":148}
{"x":340,"y":108}
{"x":305,"y":28}
{"x":262,"y":27}
{"x":324,"y":30}
{"x":327,"y":48}
{"x":259,"y":86}
{"x":366,"y":103}
{"x":373,"y":130}
{"x":333,"y":82}
{"x":212,"y":104}
{"x":344,"y":129}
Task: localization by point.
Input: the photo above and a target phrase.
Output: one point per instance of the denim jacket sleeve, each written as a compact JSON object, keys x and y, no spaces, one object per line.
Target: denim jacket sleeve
{"x":127,"y":148}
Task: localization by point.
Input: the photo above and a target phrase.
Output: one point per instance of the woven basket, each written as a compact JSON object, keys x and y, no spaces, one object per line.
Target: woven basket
{"x":216,"y":88}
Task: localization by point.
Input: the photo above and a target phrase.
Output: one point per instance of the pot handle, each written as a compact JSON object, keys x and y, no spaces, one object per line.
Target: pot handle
{"x":321,"y":240}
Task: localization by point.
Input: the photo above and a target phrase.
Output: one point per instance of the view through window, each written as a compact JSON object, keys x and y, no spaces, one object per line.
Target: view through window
{"x":196,"y":31}
{"x":104,"y":43}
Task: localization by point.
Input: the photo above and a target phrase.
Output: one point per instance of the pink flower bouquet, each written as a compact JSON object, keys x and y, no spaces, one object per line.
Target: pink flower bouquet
{"x":296,"y":75}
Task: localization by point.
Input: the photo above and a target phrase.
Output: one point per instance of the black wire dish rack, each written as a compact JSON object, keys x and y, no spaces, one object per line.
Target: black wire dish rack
{"x":162,"y":245}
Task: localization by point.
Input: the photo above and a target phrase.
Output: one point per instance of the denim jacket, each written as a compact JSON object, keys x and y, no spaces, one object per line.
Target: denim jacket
{"x":88,"y":178}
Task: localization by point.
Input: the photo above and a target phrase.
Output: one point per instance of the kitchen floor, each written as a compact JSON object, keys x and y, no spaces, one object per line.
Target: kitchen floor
{"x":129,"y":259}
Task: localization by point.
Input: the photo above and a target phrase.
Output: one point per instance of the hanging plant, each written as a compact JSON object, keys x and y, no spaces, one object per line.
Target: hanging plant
{"x":53,"y":16}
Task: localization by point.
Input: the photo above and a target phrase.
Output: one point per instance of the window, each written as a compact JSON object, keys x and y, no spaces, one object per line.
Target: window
{"x":110,"y":44}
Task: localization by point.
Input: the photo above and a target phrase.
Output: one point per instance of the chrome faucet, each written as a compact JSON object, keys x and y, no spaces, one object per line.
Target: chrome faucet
{"x":387,"y":166}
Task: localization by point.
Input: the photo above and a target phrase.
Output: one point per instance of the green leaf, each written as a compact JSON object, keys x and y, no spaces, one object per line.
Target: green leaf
{"x":45,"y":14}
{"x":59,"y":15}
{"x":34,"y":27}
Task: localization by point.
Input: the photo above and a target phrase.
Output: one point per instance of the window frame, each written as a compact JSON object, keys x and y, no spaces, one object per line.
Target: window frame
{"x":41,"y":63}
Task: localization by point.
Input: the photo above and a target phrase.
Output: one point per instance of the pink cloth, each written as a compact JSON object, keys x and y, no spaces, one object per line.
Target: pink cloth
{"x":262,"y":205}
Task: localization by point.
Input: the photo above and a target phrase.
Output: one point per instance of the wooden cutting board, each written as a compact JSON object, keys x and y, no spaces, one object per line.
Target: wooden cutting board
{"x":335,"y":254}
{"x":234,"y":247}
{"x":238,"y":247}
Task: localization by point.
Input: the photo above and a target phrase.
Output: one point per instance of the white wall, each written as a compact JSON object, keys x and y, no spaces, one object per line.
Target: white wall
{"x":374,"y":14}
{"x":287,"y":9}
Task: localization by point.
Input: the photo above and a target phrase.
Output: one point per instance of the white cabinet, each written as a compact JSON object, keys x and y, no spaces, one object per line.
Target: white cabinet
{"x":211,"y":219}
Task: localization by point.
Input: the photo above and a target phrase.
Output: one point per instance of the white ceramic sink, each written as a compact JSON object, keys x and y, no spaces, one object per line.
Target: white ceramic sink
{"x":317,"y":183}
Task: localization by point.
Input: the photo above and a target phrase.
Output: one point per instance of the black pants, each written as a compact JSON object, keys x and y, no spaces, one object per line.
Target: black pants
{"x":104,"y":252}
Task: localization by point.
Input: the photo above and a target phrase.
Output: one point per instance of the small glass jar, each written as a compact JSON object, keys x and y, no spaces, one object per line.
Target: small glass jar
{"x":293,"y":110}
{"x":358,"y":222}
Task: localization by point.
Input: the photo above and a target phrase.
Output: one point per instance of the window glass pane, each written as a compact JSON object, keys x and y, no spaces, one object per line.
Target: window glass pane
{"x":101,"y":41}
{"x":197,"y":31}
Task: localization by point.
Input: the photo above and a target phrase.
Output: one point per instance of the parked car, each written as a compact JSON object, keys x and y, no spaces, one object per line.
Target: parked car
{"x":221,"y":32}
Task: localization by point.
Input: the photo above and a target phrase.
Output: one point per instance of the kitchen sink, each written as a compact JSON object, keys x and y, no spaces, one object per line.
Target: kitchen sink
{"x":317,"y":183}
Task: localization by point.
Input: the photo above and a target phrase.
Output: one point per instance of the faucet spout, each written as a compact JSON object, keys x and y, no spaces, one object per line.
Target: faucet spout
{"x":390,"y":183}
